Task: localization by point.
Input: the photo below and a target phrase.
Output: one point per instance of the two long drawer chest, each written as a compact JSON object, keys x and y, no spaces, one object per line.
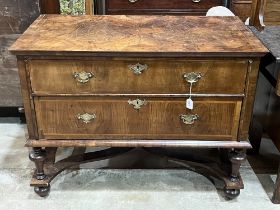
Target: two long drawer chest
{"x":137,"y":81}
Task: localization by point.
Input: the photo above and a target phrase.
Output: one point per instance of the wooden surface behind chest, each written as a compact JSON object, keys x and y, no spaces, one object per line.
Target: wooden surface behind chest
{"x":272,"y":12}
{"x":160,"y":7}
{"x":242,"y":8}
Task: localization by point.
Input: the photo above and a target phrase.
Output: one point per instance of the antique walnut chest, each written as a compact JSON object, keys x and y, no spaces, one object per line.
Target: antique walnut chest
{"x":137,"y":81}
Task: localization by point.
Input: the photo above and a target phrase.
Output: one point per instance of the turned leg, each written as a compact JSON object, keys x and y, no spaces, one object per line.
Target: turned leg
{"x":276,"y":194}
{"x":236,"y":157}
{"x":255,"y":136}
{"x":38,"y":156}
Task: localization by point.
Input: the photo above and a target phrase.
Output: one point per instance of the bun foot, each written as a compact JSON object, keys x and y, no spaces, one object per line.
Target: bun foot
{"x":231,"y":193}
{"x":42,"y":191}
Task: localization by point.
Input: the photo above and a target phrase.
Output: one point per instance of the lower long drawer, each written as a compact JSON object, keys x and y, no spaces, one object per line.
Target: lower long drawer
{"x":128,"y":118}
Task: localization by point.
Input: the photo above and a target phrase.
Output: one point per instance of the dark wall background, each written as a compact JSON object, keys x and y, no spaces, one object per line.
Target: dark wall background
{"x":15,"y":17}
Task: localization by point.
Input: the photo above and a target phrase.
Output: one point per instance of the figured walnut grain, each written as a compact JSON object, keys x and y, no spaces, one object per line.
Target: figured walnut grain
{"x":115,"y":77}
{"x":116,"y":119}
{"x":139,"y":36}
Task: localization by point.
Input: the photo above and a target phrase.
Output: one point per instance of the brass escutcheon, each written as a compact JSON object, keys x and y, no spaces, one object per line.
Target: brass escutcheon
{"x":86,"y":118}
{"x":137,"y":103}
{"x":138,"y":68}
{"x":189,"y":118}
{"x":83,"y":77}
{"x":192,"y":77}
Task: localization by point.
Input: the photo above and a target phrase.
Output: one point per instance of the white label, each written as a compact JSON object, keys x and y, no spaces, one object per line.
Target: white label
{"x":189,"y":103}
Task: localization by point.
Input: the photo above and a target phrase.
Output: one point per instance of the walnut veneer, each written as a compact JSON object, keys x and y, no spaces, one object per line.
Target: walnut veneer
{"x":163,"y":76}
{"x":115,"y":119}
{"x":123,"y":81}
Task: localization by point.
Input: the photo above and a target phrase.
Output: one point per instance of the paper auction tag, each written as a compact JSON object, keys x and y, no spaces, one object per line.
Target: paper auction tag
{"x":189,"y":103}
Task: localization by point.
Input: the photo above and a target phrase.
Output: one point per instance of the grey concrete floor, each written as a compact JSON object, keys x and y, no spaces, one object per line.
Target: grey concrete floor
{"x":91,"y":188}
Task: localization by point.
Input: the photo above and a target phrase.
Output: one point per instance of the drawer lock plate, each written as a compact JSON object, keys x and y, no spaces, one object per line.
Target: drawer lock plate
{"x":189,"y":119}
{"x":86,"y":118}
{"x":83,"y":77}
{"x":192,"y":77}
{"x":138,"y":68}
{"x":137,"y":103}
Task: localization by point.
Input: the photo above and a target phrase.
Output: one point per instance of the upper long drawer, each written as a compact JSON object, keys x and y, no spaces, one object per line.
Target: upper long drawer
{"x":137,"y":76}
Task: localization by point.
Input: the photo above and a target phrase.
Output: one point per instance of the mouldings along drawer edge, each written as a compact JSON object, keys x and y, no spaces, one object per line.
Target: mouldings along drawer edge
{"x":123,"y":118}
{"x":248,"y":101}
{"x":215,"y":76}
{"x":138,"y":143}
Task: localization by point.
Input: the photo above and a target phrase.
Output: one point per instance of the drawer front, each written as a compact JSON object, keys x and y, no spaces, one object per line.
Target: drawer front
{"x":162,"y":4}
{"x":115,"y":118}
{"x":125,"y":77}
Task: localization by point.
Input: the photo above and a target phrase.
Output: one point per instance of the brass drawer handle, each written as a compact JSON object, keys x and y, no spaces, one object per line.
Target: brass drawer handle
{"x":132,"y":1}
{"x":138,"y":68}
{"x":189,"y":118}
{"x":137,"y":103}
{"x":192,"y":77}
{"x":83,"y":77}
{"x":196,"y":1}
{"x":86,"y":118}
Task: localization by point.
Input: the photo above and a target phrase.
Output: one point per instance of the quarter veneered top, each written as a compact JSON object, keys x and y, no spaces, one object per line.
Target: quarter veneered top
{"x":189,"y":36}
